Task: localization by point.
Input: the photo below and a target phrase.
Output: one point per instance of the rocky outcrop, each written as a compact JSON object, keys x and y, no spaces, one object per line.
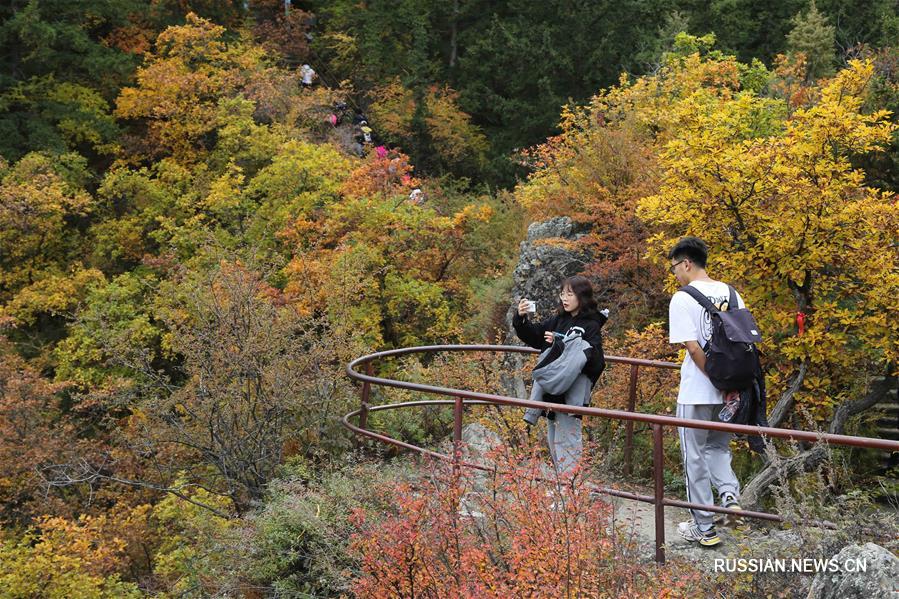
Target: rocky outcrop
{"x":541,"y":267}
{"x":880,"y":578}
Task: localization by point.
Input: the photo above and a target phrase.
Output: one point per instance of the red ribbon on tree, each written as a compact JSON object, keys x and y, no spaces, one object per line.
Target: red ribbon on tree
{"x":800,"y":322}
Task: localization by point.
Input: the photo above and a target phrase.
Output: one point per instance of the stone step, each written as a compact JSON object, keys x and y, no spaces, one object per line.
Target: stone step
{"x":888,"y":433}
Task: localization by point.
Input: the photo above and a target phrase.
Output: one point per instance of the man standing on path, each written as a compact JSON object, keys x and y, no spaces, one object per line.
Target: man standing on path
{"x":706,"y":454}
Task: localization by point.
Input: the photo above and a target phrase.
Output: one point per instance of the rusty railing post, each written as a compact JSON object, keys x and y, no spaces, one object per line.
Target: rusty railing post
{"x":659,"y":488}
{"x":366,"y":390}
{"x":656,"y":422}
{"x":457,"y":435}
{"x":629,"y":425}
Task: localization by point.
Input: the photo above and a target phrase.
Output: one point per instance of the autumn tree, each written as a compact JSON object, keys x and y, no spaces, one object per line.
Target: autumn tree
{"x":63,"y":559}
{"x":283,"y":29}
{"x":429,"y":125}
{"x":40,"y":205}
{"x":594,"y":172}
{"x":179,"y":86}
{"x":404,"y":288}
{"x":250,"y":382}
{"x":34,"y":434}
{"x":765,"y":174}
{"x":788,"y":218}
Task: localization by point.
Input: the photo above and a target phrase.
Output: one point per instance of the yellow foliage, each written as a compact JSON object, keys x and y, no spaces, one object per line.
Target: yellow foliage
{"x":766,"y":180}
{"x":57,"y":295}
{"x":392,"y":109}
{"x":179,"y":86}
{"x":34,"y":204}
{"x":65,"y":559}
{"x":790,"y":221}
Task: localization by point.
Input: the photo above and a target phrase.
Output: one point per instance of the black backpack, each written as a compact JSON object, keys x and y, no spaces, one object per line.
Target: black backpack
{"x":731,"y":358}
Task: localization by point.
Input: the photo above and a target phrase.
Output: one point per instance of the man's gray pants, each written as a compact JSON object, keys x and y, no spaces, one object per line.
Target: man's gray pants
{"x":563,"y":434}
{"x":706,"y":455}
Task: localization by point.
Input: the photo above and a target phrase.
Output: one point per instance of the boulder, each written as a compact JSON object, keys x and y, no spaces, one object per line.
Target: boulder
{"x":880,"y":578}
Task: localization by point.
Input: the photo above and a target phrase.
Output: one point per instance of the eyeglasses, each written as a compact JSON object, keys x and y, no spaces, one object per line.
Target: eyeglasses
{"x":566,"y":294}
{"x":673,"y":266}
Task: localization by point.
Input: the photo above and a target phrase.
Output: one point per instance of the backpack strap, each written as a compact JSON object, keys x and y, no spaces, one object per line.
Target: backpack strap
{"x":701,"y":298}
{"x":732,"y":303}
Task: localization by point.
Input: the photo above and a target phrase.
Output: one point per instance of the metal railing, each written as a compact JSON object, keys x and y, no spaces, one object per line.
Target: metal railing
{"x":462,"y":397}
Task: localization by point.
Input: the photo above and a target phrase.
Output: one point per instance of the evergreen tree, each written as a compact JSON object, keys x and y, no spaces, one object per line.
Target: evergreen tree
{"x":813,"y":36}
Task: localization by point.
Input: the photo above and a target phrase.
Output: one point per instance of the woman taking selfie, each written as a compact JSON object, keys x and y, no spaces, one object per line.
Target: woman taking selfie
{"x":575,"y":316}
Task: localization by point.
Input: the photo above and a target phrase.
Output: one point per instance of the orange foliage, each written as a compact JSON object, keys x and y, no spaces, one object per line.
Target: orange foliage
{"x":30,"y":434}
{"x":521,"y":537}
{"x":596,"y":174}
{"x":132,"y":38}
{"x":790,"y":81}
{"x":386,"y":176}
{"x":656,"y":387}
{"x":280,"y":33}
{"x":100,"y":543}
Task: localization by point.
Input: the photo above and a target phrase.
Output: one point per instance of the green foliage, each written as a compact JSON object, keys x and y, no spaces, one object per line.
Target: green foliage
{"x":113,"y":333}
{"x":60,"y":75}
{"x":814,"y":37}
{"x":195,"y":554}
{"x":297,"y":545}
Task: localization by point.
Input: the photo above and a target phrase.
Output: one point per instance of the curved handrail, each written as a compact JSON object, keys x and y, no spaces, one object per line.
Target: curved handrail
{"x":464,"y":397}
{"x":768,"y":431}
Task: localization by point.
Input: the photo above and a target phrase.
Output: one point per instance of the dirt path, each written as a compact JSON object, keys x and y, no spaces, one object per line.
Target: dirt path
{"x":636,"y":520}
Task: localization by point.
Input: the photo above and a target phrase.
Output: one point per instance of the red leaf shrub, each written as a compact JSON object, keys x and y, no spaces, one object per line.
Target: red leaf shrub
{"x":513,"y":535}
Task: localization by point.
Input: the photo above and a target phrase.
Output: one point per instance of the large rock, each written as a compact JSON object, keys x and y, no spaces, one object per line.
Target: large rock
{"x":881,"y":578}
{"x":477,"y":444}
{"x":541,"y":267}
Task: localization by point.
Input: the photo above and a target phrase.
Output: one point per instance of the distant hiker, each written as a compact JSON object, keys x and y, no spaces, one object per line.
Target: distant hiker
{"x":416,"y":196}
{"x":340,"y":109}
{"x":308,"y":74}
{"x":706,"y":454}
{"x":571,"y":342}
{"x":358,"y":141}
{"x":366,"y":132}
{"x":332,"y":119}
{"x":381,"y":151}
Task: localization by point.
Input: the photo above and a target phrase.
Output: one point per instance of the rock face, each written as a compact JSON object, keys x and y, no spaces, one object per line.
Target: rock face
{"x":881,"y":578}
{"x":541,"y":267}
{"x":478,"y":444}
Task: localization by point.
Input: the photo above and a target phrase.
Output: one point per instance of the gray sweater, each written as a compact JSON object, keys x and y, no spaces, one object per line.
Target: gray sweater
{"x":560,"y":364}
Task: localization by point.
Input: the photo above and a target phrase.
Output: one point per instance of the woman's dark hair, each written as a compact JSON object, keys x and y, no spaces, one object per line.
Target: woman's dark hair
{"x":583,"y":290}
{"x":693,"y":249}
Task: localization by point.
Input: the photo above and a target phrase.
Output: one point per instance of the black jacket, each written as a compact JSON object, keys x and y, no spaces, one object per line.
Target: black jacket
{"x":532,"y":334}
{"x":755,"y":401}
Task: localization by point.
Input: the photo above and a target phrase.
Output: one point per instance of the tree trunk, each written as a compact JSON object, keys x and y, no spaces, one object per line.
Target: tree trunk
{"x":757,"y":488}
{"x":454,"y":32}
{"x":785,"y":404}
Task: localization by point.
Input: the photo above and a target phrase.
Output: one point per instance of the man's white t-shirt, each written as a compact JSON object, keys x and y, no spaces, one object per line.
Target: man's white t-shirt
{"x":688,"y":321}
